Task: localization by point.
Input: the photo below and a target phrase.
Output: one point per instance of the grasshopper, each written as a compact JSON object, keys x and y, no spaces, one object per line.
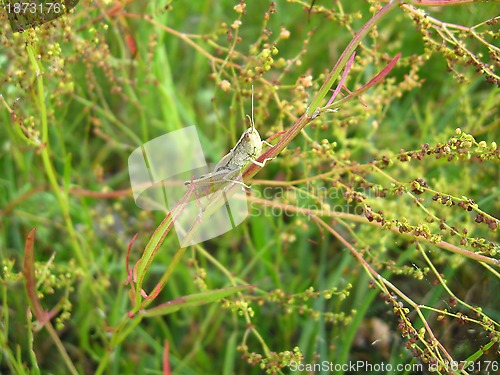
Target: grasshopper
{"x":247,"y":150}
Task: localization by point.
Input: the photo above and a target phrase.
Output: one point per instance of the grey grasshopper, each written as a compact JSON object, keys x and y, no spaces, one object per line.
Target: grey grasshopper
{"x":228,"y":169}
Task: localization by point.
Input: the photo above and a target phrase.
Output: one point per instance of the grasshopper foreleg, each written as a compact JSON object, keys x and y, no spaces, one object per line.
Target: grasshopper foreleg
{"x":262,"y":163}
{"x":267,"y":144}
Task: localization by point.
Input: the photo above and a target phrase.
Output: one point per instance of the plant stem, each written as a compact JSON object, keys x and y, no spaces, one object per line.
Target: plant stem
{"x":62,"y":198}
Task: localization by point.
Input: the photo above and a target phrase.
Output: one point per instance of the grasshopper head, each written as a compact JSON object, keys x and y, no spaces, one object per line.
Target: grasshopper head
{"x":251,"y":141}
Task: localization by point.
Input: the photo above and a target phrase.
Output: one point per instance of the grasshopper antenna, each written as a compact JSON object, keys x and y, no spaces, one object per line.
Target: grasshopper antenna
{"x":252,"y":123}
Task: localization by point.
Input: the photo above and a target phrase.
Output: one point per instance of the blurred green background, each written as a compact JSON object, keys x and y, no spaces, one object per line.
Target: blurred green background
{"x":118,"y":74}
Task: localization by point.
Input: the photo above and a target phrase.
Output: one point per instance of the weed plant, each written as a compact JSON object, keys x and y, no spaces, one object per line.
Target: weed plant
{"x":372,"y":237}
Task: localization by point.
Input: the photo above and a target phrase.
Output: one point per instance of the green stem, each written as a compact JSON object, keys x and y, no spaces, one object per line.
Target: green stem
{"x":67,"y":360}
{"x":47,"y":163}
{"x":121,"y":332}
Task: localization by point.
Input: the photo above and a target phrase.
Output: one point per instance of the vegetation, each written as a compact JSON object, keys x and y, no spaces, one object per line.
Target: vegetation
{"x":372,"y":236}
